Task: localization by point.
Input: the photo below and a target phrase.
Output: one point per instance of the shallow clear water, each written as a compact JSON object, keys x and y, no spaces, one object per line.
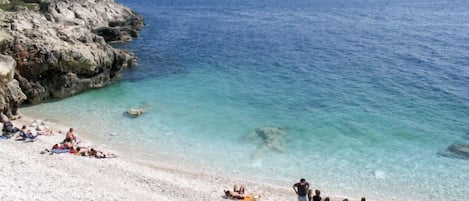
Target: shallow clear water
{"x":369,"y":93}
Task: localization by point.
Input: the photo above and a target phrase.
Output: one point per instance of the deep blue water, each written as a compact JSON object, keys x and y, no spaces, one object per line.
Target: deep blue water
{"x":368,"y":91}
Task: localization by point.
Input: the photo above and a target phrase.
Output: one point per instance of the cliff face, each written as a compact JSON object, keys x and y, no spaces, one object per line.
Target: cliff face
{"x":11,"y":95}
{"x":62,"y":49}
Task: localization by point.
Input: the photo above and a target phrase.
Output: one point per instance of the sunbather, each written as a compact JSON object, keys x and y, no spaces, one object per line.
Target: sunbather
{"x":64,"y":145}
{"x":70,"y":137}
{"x":44,"y":130}
{"x":8,"y":128}
{"x":26,"y":134}
{"x":238,"y":193}
{"x":100,"y":154}
{"x":83,"y":151}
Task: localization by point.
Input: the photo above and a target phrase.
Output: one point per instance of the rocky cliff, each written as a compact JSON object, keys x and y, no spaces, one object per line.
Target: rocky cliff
{"x":60,"y":48}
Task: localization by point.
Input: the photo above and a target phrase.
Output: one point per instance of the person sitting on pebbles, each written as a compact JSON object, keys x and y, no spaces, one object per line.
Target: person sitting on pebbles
{"x":70,"y":136}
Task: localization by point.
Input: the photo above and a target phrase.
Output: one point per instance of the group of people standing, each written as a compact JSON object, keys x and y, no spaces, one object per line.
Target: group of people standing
{"x":305,"y":194}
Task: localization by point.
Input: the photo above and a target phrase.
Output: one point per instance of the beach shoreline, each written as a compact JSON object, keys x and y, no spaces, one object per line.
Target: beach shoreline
{"x":27,"y":175}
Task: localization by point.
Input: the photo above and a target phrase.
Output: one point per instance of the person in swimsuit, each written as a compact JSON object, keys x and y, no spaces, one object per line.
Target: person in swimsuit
{"x":237,"y":193}
{"x":100,"y":154}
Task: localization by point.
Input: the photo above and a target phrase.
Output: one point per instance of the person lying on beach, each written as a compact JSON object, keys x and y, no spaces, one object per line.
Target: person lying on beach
{"x":63,"y":145}
{"x":237,"y":193}
{"x":25,"y":134}
{"x":237,"y":196}
{"x":100,"y":154}
{"x":83,"y":151}
{"x":8,"y":128}
{"x":44,"y":130}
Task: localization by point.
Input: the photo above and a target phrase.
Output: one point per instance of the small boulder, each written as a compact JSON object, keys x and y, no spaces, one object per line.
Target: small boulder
{"x":135,"y":112}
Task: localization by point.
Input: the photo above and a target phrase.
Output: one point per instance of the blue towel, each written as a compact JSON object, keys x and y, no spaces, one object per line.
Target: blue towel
{"x":60,"y":151}
{"x":4,"y":137}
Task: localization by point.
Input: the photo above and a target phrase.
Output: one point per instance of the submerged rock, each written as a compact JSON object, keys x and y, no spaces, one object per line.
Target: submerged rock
{"x":457,"y":151}
{"x":268,"y":139}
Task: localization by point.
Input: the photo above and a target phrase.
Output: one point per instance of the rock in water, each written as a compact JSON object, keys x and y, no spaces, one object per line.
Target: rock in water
{"x":457,"y":151}
{"x":135,"y":112}
{"x":379,"y":174}
{"x":271,"y":139}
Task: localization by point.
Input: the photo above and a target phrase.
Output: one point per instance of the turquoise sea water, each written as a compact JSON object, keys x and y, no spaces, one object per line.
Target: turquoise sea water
{"x":369,"y":93}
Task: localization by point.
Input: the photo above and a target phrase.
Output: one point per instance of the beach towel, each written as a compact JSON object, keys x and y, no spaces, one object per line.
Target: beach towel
{"x":60,"y":151}
{"x":29,"y":140}
{"x":252,"y":197}
{"x":4,"y":137}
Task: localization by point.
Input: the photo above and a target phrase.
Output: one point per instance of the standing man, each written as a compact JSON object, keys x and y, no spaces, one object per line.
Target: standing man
{"x":301,"y":189}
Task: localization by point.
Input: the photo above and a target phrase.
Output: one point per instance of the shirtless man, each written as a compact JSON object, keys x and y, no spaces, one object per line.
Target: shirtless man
{"x":70,"y":137}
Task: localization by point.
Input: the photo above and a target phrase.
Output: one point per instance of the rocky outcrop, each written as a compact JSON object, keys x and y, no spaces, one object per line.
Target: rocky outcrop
{"x":113,"y":22}
{"x":62,"y":49}
{"x":11,"y":95}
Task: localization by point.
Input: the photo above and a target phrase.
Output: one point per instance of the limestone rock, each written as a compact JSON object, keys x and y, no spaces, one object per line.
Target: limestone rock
{"x":11,"y":95}
{"x":58,"y":51}
{"x":7,"y":69}
{"x":134,"y":112}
